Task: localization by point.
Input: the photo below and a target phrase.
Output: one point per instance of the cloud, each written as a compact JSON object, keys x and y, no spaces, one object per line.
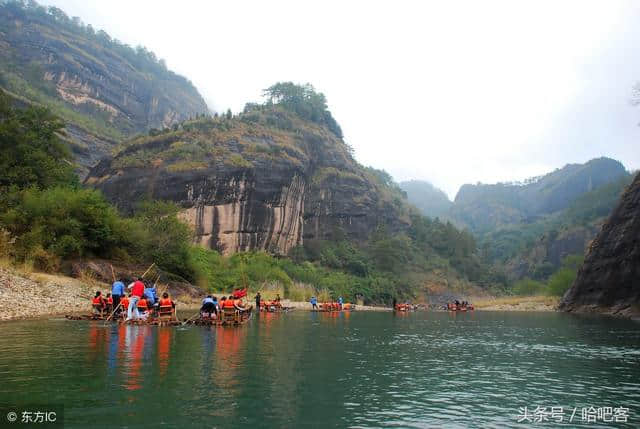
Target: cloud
{"x":451,"y":92}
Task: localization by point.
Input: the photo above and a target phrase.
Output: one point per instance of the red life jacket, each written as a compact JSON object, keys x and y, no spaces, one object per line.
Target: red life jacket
{"x":110,"y":300}
{"x":165,"y":302}
{"x":97,"y":301}
{"x":142,"y":304}
{"x":124,"y":302}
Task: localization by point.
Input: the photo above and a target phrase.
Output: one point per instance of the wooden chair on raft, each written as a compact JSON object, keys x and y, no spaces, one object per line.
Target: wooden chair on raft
{"x":229,"y":315}
{"x":165,"y":313}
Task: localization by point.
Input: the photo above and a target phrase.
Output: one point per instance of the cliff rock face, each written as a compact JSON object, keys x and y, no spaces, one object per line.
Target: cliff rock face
{"x":609,"y":280}
{"x":247,"y":184}
{"x":105,"y":90}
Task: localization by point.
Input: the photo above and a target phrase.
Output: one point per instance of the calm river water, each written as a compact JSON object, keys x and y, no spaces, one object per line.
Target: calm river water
{"x":342,"y":370}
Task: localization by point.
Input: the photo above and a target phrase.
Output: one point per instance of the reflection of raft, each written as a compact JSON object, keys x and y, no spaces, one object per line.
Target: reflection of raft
{"x":151,"y":322}
{"x":85,"y":317}
{"x":403,"y":307}
{"x":228,"y":317}
{"x":155,"y":321}
{"x":334,"y":306}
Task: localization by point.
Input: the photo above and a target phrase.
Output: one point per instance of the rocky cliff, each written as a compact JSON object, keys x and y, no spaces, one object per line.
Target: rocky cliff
{"x":266,"y":180}
{"x":609,"y":279}
{"x":103,"y":89}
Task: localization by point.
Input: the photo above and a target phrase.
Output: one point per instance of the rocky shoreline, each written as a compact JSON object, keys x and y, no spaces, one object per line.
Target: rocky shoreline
{"x":27,"y":296}
{"x":39,"y":295}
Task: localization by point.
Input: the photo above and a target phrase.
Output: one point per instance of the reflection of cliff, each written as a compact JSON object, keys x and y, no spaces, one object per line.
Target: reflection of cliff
{"x":609,"y":279}
{"x":248,"y":185}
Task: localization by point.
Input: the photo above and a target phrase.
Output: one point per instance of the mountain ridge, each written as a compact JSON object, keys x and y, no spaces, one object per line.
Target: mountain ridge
{"x":103,"y":89}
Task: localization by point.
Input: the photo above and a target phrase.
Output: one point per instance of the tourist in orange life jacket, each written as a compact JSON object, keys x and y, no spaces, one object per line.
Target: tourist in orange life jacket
{"x":222,"y":301}
{"x":109,"y":302}
{"x":142,"y":304}
{"x":98,"y":302}
{"x":124,"y":303}
{"x":228,"y":303}
{"x":165,"y":302}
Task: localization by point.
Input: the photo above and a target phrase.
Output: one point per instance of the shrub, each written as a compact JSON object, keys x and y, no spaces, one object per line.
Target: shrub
{"x":528,"y":287}
{"x":560,"y":281}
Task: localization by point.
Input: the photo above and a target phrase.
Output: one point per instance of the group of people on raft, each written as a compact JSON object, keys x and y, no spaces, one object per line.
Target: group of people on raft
{"x":459,"y":306}
{"x":140,"y":303}
{"x":338,"y":305}
{"x":271,"y":306}
{"x":212,"y":307}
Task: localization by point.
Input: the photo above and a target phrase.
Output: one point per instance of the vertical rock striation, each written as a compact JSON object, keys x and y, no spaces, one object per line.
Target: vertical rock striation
{"x":250,"y":186}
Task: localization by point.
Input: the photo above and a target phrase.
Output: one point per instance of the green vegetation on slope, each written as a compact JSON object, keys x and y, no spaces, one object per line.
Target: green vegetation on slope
{"x":43,"y":48}
{"x":47,"y":220}
{"x":557,"y":284}
{"x":586,"y":211}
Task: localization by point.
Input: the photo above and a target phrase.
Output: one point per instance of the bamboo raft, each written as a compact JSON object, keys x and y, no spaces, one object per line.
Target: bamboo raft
{"x":327,"y":307}
{"x":273,"y":307}
{"x":228,"y":317}
{"x":453,"y":307}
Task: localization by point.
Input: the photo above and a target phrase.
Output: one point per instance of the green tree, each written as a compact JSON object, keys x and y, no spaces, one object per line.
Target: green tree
{"x":560,"y":281}
{"x":31,"y":150}
{"x":304,"y":101}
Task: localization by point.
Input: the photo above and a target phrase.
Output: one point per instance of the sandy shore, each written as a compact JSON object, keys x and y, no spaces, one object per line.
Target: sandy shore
{"x":299,"y":305}
{"x":517,"y":303}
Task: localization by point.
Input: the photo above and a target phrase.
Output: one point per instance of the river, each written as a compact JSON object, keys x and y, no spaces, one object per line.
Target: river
{"x":367,"y":369}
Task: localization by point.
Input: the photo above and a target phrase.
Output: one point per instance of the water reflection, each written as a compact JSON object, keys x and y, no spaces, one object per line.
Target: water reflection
{"x":134,"y":352}
{"x":164,"y":346}
{"x":341,"y":369}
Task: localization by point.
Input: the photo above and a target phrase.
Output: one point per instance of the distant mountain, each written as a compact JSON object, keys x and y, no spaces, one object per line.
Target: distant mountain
{"x":484,"y":208}
{"x":104,"y":90}
{"x":431,"y":201}
{"x":609,"y":279}
{"x":537,"y":249}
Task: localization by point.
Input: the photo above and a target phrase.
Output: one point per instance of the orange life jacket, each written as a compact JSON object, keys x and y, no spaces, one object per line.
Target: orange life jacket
{"x":142,"y":304}
{"x":228,"y":304}
{"x":97,"y":301}
{"x":165,"y":302}
{"x":124,"y":302}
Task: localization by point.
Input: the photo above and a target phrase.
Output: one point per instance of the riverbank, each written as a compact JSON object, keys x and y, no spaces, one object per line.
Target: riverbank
{"x":33,"y":295}
{"x":25,"y":295}
{"x":299,"y":305}
{"x":516,"y":303}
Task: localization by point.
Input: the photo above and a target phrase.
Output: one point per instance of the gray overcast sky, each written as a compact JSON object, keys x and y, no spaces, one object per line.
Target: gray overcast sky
{"x":451,"y":92}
